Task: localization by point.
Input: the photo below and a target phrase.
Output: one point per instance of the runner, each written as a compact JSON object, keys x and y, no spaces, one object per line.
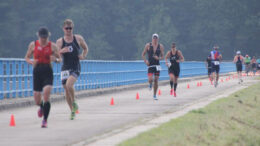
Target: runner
{"x":215,"y":62}
{"x":155,"y":53}
{"x":254,"y":65}
{"x":258,"y":65}
{"x":247,"y":63}
{"x":174,"y":67}
{"x":209,"y":68}
{"x":43,"y":52}
{"x":239,"y":60}
{"x":69,"y":47}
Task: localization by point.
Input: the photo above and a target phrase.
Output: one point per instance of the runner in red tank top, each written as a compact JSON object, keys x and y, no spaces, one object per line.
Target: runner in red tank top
{"x":43,"y":51}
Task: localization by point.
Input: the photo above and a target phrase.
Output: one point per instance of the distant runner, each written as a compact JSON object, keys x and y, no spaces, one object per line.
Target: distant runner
{"x":69,"y":47}
{"x":216,"y":57}
{"x":209,"y":67}
{"x":43,"y":52}
{"x":254,"y":65}
{"x":239,"y":60}
{"x":175,"y":57}
{"x":247,"y":64}
{"x":155,"y":53}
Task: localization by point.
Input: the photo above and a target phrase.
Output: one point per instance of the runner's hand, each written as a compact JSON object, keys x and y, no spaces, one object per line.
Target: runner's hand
{"x":53,"y":58}
{"x":64,"y":50}
{"x":34,"y":62}
{"x":156,"y":57}
{"x":147,"y":62}
{"x":81,"y":57}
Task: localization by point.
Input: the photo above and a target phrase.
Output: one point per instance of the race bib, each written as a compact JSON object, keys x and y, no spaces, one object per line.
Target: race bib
{"x":158,"y":68}
{"x":216,"y":62}
{"x":169,"y":64}
{"x":64,"y":74}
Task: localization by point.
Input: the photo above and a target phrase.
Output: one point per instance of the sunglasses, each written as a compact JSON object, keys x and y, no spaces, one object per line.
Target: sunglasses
{"x":68,"y":28}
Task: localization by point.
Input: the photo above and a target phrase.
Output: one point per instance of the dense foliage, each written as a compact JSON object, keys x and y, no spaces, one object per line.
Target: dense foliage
{"x":119,"y":29}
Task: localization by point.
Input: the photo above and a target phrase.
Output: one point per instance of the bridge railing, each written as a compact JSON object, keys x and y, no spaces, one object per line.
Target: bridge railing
{"x":16,"y":75}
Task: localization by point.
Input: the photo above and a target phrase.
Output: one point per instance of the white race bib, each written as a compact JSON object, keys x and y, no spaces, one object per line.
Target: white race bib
{"x":64,"y":74}
{"x":158,"y":68}
{"x":216,"y":62}
{"x":169,"y":64}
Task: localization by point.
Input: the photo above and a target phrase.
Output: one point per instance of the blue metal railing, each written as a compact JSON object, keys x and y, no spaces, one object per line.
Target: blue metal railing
{"x":16,"y":75}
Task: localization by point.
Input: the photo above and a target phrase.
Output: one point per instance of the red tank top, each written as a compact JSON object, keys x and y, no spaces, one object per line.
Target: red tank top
{"x":42,"y":54}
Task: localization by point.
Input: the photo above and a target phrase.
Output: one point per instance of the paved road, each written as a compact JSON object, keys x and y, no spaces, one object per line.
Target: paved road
{"x":97,"y":117}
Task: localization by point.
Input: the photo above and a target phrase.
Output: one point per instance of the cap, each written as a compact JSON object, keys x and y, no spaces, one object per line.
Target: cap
{"x":155,"y":35}
{"x":43,"y":32}
{"x":238,"y":52}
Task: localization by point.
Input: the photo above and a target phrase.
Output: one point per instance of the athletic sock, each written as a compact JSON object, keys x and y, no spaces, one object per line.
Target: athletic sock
{"x":41,"y":105}
{"x":46,"y":110}
{"x":171,"y":83}
{"x":175,"y":87}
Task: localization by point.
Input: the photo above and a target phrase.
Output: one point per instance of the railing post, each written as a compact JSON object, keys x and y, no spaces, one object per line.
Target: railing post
{"x":1,"y":80}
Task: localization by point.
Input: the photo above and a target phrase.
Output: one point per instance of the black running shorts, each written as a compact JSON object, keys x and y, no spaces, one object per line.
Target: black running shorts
{"x":42,"y":76}
{"x":174,"y":70}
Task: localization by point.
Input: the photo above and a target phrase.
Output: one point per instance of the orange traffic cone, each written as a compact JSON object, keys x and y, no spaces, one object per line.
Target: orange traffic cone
{"x":12,"y":121}
{"x":137,"y":96}
{"x":112,"y":101}
{"x":77,"y":111}
{"x":159,"y":92}
{"x":200,"y":83}
{"x":188,"y":86}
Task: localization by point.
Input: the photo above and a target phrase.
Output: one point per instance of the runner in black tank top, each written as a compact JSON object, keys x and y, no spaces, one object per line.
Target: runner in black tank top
{"x":155,"y":53}
{"x":69,"y":46}
{"x":71,"y":59}
{"x":238,"y":60}
{"x":174,"y":67}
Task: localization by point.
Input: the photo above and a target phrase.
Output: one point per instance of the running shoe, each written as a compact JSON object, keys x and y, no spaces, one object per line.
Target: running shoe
{"x":174,"y":94}
{"x":44,"y":123}
{"x":216,"y":84}
{"x":171,"y":92}
{"x":75,"y":106}
{"x":40,"y":112}
{"x":72,"y":115}
{"x":150,"y":86}
{"x":155,"y":98}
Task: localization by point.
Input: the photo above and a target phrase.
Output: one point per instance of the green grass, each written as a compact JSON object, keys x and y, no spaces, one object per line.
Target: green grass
{"x":231,"y":121}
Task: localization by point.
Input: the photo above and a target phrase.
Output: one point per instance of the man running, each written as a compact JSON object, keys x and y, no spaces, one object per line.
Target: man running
{"x":254,"y":65}
{"x":43,"y":51}
{"x":215,"y":62}
{"x":247,"y":64}
{"x":209,"y":68}
{"x":155,"y":53}
{"x":174,"y":67}
{"x":239,"y":60}
{"x":69,"y":47}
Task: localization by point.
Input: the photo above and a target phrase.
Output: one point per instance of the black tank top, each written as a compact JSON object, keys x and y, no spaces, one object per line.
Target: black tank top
{"x":174,"y":58}
{"x":151,"y":53}
{"x":71,"y":59}
{"x":239,"y":62}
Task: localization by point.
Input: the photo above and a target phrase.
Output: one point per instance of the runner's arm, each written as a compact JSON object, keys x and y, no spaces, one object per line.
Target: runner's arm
{"x":162,"y":52}
{"x":182,"y":58}
{"x":55,"y":53}
{"x":84,"y":46}
{"x":166,"y":57}
{"x":29,"y":53}
{"x":144,"y":53}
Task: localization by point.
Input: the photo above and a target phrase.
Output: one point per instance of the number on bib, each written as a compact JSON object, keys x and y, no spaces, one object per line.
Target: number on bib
{"x":64,"y":74}
{"x":158,"y":68}
{"x":216,"y":62}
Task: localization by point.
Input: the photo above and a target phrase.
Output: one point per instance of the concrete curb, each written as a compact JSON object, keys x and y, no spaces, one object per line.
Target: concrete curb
{"x":8,"y":104}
